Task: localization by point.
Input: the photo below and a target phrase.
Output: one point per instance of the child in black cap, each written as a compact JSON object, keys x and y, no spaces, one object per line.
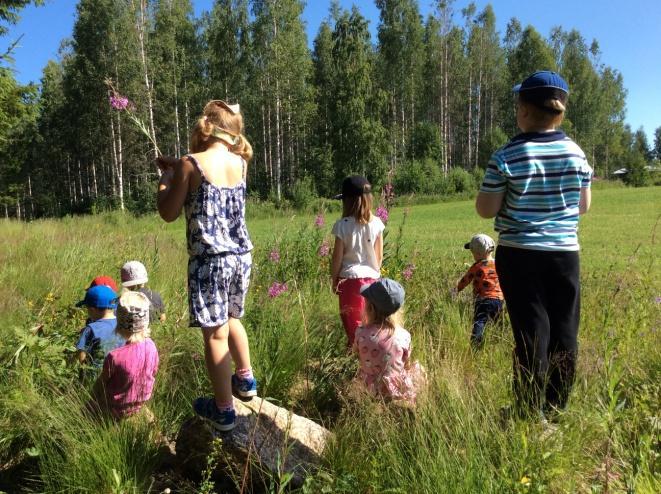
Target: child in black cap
{"x":536,"y":186}
{"x":358,"y":250}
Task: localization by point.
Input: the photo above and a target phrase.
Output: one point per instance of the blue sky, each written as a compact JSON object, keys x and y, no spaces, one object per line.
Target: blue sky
{"x":629,"y":35}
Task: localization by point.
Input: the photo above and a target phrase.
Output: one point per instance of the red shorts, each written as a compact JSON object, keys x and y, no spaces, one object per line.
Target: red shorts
{"x":352,"y":304}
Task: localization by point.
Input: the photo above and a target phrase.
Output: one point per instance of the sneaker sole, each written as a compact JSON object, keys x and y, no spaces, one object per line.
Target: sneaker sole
{"x":245,"y":394}
{"x":217,"y":426}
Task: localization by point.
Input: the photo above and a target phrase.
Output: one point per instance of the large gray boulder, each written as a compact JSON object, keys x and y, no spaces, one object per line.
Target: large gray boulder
{"x":267,"y":438}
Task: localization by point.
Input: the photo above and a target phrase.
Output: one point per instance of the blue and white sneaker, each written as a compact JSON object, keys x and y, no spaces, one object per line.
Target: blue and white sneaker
{"x":244,"y":388}
{"x":207,"y":409}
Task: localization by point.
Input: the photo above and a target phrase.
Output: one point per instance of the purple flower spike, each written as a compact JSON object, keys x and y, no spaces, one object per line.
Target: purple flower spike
{"x":277,"y":289}
{"x":274,"y":256}
{"x":408,"y":271}
{"x":319,"y":221}
{"x":119,"y":102}
{"x":382,"y":214}
{"x":324,"y":249}
{"x":658,"y":300}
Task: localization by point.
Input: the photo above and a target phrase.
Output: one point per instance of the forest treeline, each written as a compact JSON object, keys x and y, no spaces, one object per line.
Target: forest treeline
{"x":428,"y":98}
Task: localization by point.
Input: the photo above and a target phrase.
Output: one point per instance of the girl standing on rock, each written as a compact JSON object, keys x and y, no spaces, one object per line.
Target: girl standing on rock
{"x":210,"y":184}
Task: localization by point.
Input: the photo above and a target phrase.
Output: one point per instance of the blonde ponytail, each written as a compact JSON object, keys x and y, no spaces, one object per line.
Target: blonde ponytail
{"x":242,"y":147}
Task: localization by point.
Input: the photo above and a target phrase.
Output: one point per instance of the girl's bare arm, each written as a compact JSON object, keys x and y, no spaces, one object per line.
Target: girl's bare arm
{"x":378,"y":249}
{"x":336,"y":262}
{"x":173,"y":188}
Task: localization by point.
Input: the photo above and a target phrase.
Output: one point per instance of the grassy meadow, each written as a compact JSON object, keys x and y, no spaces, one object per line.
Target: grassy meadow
{"x":607,"y":441}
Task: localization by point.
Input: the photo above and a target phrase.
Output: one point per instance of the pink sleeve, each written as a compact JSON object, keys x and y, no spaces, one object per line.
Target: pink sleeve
{"x":404,"y":340}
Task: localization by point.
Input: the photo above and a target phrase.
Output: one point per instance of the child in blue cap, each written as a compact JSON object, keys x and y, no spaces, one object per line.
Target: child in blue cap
{"x":98,"y":337}
{"x":536,"y":186}
{"x":383,"y":346}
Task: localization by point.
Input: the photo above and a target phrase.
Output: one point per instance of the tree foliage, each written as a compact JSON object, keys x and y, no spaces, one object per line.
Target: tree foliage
{"x":427,"y":100}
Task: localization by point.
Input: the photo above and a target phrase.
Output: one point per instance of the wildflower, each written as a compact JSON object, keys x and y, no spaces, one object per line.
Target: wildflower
{"x":408,"y":271}
{"x":382,"y":213}
{"x":319,"y":221}
{"x":50,"y":297}
{"x":277,"y":289}
{"x":525,"y":481}
{"x":30,"y":304}
{"x":274,"y":256}
{"x":658,"y":300}
{"x":384,"y":272}
{"x":119,"y":102}
{"x":324,"y":249}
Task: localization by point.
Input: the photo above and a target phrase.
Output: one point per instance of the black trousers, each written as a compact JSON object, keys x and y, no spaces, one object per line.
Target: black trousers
{"x":542,"y":293}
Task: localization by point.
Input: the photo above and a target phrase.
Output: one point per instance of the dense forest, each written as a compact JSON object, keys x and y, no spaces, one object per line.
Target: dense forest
{"x":424,"y":99}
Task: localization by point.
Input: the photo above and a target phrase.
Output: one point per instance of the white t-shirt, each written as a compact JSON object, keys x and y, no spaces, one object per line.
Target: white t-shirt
{"x":359,"y":259}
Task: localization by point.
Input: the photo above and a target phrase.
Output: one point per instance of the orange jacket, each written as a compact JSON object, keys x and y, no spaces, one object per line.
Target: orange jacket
{"x":484,"y":278}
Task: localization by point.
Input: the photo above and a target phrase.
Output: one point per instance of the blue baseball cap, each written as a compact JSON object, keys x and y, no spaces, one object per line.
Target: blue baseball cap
{"x":100,"y":297}
{"x":387,"y":295}
{"x":543,"y":79}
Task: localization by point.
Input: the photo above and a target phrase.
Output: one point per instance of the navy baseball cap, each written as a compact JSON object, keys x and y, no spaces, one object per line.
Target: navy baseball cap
{"x":544,"y":79}
{"x":100,"y":297}
{"x":354,"y":186}
{"x":387,"y":295}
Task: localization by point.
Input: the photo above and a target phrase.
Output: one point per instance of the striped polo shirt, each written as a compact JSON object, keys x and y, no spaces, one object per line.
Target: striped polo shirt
{"x":542,"y":175}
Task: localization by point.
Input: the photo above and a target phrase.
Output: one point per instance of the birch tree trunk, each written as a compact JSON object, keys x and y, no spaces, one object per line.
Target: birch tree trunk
{"x":96,"y":190}
{"x":30,"y":196}
{"x":177,"y":138}
{"x":470,"y":115}
{"x":148,"y":86}
{"x":478,"y":116}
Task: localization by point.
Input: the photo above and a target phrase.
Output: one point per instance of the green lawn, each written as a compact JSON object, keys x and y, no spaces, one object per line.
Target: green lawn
{"x":607,"y":442}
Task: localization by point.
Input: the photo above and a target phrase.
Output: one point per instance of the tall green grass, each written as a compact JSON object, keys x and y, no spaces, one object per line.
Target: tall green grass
{"x":608,"y":440}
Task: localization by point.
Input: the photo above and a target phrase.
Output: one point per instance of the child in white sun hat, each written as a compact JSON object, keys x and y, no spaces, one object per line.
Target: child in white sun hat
{"x":134,"y":277}
{"x":129,"y":371}
{"x":486,"y":288}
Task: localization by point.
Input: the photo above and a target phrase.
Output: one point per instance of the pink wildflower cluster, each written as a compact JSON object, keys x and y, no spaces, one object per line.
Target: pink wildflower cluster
{"x":324,"y":249}
{"x":274,"y":256}
{"x":408,"y":271}
{"x":277,"y":289}
{"x":382,"y":214}
{"x":119,"y":102}
{"x":319,"y":221}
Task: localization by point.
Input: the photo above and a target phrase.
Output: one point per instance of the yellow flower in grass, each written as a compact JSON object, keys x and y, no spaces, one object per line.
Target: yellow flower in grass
{"x":30,"y":304}
{"x":384,"y":272}
{"x":525,"y":480}
{"x":50,"y":297}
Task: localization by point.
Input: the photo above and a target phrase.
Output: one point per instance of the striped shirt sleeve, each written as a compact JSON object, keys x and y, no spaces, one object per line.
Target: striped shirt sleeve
{"x":586,"y":175}
{"x":494,"y":179}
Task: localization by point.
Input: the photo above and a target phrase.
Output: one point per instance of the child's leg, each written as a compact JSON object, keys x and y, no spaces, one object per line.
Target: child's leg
{"x":352,"y":304}
{"x":525,"y":295}
{"x":241,"y":266}
{"x":219,"y":362}
{"x":238,"y":344}
{"x":480,"y":318}
{"x":564,"y":315}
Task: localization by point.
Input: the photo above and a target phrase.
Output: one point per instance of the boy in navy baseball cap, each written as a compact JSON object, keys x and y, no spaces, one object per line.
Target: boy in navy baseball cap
{"x":98,"y":337}
{"x":536,"y":186}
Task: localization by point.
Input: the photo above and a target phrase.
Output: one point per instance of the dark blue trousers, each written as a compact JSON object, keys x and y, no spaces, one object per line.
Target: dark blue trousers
{"x":486,"y":309}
